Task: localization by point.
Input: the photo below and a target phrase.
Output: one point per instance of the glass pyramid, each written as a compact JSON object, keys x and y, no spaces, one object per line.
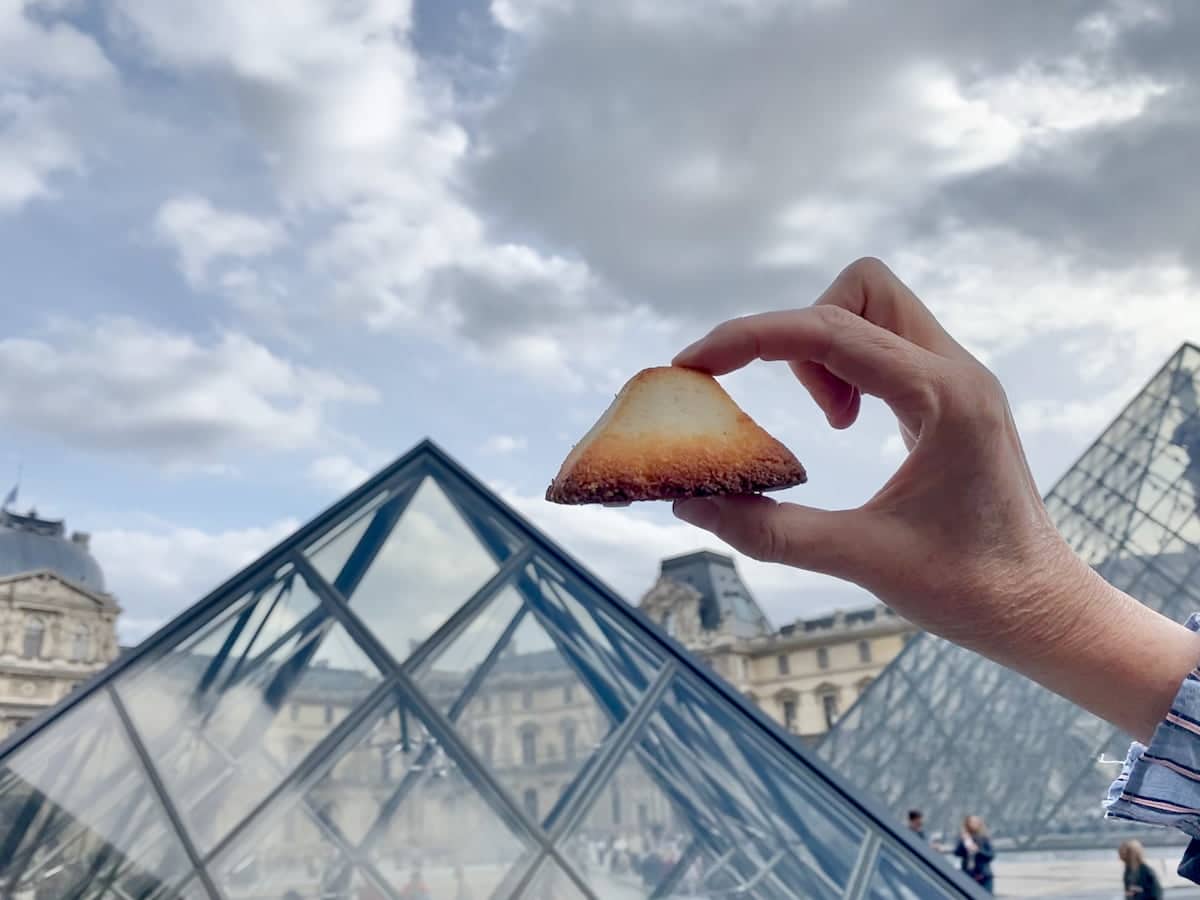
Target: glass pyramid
{"x":419,"y":695}
{"x":951,"y":733}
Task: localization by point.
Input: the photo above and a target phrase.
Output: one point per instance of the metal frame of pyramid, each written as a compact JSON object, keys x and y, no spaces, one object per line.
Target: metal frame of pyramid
{"x":953,"y":733}
{"x":177,"y":773}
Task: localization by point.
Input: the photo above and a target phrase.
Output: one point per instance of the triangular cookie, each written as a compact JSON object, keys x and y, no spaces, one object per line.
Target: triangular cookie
{"x":673,"y":432}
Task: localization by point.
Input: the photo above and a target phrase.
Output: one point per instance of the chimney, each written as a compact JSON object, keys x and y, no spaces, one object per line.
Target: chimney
{"x":81,"y":539}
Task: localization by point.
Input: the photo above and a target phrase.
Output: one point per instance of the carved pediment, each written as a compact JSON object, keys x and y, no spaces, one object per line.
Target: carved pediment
{"x":676,"y":607}
{"x":49,"y":589}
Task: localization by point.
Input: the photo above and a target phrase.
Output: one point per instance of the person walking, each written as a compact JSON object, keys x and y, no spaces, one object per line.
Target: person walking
{"x":1140,"y":881}
{"x":975,"y":850}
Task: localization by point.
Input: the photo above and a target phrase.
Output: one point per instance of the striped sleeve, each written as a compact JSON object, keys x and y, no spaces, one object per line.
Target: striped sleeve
{"x":1160,"y":783}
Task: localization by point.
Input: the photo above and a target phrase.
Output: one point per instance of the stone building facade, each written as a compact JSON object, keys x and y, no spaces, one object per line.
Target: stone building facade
{"x":57,"y":622}
{"x":805,"y":674}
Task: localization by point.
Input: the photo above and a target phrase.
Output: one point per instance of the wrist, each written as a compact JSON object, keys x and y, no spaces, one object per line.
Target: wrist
{"x":1102,"y":649}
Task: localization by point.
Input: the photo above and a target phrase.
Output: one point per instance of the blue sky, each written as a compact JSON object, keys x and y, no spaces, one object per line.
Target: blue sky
{"x":251,"y":255}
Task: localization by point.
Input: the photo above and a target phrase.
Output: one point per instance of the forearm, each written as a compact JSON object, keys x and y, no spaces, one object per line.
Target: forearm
{"x":1098,"y":647}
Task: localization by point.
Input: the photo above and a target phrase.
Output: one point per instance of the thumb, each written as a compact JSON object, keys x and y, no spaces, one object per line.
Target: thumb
{"x":764,"y":529}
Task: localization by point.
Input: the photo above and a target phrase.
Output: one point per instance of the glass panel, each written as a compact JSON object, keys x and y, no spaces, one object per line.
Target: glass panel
{"x":733,"y":783}
{"x":620,"y":663}
{"x":631,"y":838}
{"x":289,"y":856}
{"x":411,"y":806}
{"x":78,"y":818}
{"x":552,"y":883}
{"x":429,"y":565}
{"x":896,"y":878}
{"x":445,"y":677}
{"x":329,"y":553}
{"x":228,"y":714}
{"x":534,"y":722}
{"x":193,"y":890}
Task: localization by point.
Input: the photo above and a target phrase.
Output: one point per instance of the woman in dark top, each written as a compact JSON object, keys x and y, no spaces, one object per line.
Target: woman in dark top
{"x":975,"y":850}
{"x":1140,"y":881}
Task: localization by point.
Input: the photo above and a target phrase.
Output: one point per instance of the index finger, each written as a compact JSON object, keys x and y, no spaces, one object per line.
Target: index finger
{"x":862,"y":354}
{"x":868,"y":288}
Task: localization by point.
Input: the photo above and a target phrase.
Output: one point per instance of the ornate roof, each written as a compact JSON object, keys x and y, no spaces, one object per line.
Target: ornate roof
{"x":32,"y":544}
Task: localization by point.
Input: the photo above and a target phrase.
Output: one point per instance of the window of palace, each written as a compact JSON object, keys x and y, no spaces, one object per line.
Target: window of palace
{"x":789,"y":714}
{"x":829,"y":706}
{"x":487,"y":744}
{"x":530,"y":802}
{"x":81,"y":644}
{"x":35,"y":636}
{"x":568,"y":738}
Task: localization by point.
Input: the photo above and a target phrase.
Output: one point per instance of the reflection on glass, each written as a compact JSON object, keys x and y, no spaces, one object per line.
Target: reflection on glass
{"x":230,"y":712}
{"x":899,"y":879}
{"x":630,"y":840}
{"x":785,"y":829}
{"x":291,"y":857}
{"x":450,"y":671}
{"x":552,"y":883}
{"x":533,"y":720}
{"x":620,"y":666}
{"x":418,"y":573}
{"x":78,"y":818}
{"x":330,"y":552}
{"x":193,"y":890}
{"x":404,"y":803}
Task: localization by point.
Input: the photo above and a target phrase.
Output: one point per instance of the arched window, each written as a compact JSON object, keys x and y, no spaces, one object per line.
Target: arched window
{"x":787,"y":705}
{"x":81,"y":645}
{"x":35,"y":635}
{"x":829,"y":706}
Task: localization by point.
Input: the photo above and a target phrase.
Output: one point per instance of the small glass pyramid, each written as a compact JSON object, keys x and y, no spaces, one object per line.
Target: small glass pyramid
{"x":953,"y":733}
{"x":418,"y":695}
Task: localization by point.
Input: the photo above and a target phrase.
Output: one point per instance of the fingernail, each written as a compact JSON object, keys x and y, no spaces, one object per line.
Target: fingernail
{"x":701,"y":513}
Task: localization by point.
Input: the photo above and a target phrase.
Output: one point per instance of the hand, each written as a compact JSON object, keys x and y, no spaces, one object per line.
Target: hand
{"x":958,"y":540}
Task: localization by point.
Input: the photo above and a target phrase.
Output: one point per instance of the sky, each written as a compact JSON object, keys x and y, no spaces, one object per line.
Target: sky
{"x":253,"y":252}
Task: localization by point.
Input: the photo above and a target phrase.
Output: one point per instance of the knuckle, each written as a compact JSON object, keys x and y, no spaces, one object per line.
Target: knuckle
{"x":974,"y":394}
{"x":868,"y":270}
{"x":765,"y":541}
{"x":833,"y":317}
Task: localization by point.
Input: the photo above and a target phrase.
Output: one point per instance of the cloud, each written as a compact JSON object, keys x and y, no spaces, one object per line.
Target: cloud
{"x":1120,"y":189}
{"x":625,"y":547}
{"x":499,"y":444}
{"x":159,"y":571}
{"x":203,"y":235}
{"x":119,"y":384}
{"x":364,"y":146}
{"x":699,"y":192}
{"x":340,"y":474}
{"x":48,"y":64}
